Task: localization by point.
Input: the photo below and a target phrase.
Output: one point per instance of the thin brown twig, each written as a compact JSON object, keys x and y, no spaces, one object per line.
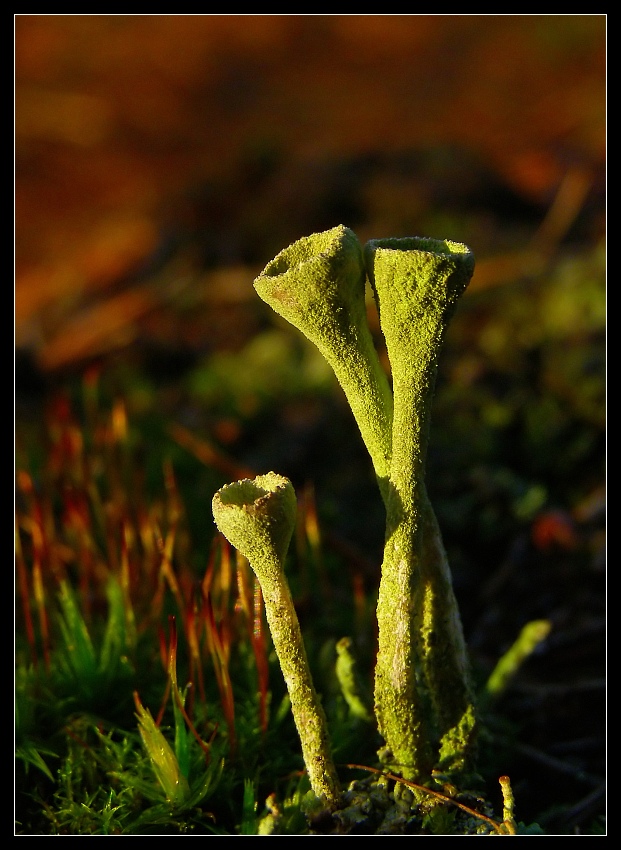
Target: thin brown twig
{"x":498,"y":827}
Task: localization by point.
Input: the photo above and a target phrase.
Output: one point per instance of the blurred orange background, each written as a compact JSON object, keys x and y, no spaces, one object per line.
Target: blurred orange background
{"x":122,"y":120}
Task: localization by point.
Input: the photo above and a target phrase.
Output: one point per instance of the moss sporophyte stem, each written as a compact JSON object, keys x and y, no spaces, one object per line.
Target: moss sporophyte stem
{"x":423,"y":701}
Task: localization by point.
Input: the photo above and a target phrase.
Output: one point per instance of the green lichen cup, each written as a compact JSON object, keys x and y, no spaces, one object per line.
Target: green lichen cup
{"x":318,"y":284}
{"x":258,"y":518}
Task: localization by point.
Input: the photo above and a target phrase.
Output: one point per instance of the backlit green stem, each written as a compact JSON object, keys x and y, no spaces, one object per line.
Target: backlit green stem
{"x":416,"y":283}
{"x":531,"y":635}
{"x":258,"y":518}
{"x":318,"y":285}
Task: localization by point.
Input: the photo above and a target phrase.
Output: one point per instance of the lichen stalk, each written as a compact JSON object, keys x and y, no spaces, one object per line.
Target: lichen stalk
{"x":318,"y":285}
{"x":258,"y":518}
{"x":306,"y":708}
{"x":416,"y":283}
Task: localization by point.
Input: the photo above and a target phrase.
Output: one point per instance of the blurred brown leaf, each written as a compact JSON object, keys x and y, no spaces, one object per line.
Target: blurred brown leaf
{"x":119,"y":117}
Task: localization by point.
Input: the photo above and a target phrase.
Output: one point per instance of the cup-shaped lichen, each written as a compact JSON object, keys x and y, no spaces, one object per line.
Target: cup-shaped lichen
{"x":416,"y":283}
{"x":318,"y":285}
{"x":258,"y":518}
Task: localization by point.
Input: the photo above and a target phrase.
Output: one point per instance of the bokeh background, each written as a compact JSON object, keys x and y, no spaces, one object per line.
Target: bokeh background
{"x":161,"y":161}
{"x":223,"y":138}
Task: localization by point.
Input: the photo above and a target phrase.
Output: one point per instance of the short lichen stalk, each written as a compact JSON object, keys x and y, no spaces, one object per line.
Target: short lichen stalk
{"x":416,"y":283}
{"x":258,"y":518}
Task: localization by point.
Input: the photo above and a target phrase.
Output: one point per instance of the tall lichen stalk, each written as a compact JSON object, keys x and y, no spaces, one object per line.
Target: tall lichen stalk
{"x":416,"y":283}
{"x":318,"y":285}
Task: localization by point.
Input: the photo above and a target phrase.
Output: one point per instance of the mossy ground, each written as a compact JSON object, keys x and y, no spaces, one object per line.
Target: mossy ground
{"x":147,"y":375}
